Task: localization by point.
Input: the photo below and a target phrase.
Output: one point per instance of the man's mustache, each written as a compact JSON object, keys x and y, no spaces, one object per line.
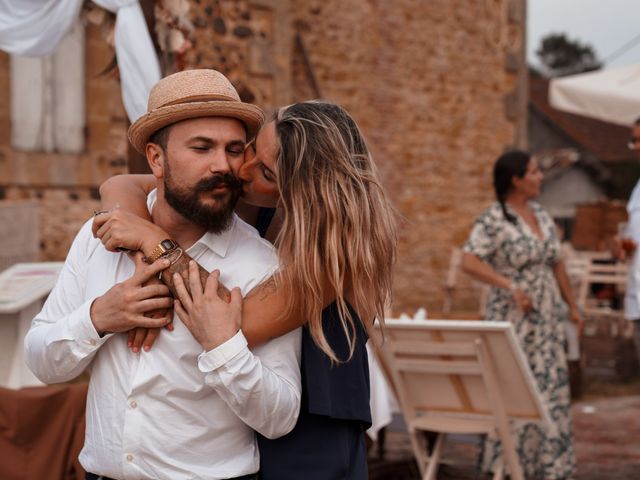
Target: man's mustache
{"x":222,"y":180}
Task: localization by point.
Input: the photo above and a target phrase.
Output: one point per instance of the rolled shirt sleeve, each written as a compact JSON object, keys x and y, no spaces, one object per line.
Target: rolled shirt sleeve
{"x":262,"y":386}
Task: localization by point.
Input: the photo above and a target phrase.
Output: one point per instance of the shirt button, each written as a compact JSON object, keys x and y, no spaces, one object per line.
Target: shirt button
{"x":133,"y":404}
{"x":129,"y":458}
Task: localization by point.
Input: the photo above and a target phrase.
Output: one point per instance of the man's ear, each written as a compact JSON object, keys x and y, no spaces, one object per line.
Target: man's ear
{"x":155,"y":158}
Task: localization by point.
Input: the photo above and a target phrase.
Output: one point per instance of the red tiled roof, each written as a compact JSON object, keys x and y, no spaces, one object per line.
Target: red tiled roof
{"x":605,"y":140}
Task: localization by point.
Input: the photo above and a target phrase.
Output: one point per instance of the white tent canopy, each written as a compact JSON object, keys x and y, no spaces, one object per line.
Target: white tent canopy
{"x":611,"y":95}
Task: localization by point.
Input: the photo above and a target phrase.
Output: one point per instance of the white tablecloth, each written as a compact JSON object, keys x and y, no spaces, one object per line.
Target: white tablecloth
{"x":383,"y":404}
{"x":23,"y":289}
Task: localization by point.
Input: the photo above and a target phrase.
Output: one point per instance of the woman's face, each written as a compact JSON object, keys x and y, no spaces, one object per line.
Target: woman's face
{"x":258,"y":172}
{"x":530,"y":184}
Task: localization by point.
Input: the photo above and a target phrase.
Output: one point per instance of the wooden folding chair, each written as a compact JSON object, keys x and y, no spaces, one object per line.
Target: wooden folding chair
{"x":463,"y":377}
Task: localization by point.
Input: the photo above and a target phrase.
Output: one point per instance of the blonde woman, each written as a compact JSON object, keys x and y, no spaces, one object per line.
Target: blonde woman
{"x":336,"y":246}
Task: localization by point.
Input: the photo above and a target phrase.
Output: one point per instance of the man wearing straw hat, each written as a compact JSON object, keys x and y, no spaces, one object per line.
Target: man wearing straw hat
{"x":180,"y":410}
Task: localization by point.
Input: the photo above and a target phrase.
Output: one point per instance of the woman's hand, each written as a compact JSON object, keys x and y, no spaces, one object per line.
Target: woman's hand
{"x":211,"y":320}
{"x":119,"y":229}
{"x":522,"y":299}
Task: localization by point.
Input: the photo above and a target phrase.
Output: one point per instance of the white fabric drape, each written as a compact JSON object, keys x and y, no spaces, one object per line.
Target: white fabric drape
{"x":35,"y":27}
{"x":137,"y":60}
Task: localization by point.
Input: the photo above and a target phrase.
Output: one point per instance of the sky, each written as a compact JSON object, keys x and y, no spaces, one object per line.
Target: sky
{"x":607,"y":25}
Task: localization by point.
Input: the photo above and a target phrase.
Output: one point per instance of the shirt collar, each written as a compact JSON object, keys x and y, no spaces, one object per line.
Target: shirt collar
{"x":216,"y":242}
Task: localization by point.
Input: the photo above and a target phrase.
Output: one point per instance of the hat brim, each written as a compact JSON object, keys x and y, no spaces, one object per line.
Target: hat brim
{"x":139,"y":133}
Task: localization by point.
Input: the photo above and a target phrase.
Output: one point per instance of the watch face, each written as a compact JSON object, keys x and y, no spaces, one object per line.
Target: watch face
{"x":168,"y":244}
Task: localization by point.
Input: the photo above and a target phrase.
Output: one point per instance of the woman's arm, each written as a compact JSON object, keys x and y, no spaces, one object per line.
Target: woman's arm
{"x":263,"y":315}
{"x":483,"y":272}
{"x":567,"y":294}
{"x":129,"y":192}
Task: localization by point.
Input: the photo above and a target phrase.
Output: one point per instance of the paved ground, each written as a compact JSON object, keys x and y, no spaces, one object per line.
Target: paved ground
{"x":606,"y":430}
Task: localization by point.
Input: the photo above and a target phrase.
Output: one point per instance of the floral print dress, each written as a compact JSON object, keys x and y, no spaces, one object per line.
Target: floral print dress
{"x":516,"y":252}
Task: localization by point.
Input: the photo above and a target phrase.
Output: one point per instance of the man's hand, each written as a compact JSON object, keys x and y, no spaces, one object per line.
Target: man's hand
{"x":123,"y":307}
{"x":144,"y":338}
{"x":120,"y":229}
{"x":211,"y":320}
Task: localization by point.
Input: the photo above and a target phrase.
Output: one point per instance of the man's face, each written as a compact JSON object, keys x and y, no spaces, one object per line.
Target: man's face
{"x":200,"y":157}
{"x":634,"y":141}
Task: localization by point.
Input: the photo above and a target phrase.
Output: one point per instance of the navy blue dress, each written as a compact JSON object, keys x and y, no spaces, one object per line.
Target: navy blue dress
{"x":328,"y":441}
{"x":265,"y":215}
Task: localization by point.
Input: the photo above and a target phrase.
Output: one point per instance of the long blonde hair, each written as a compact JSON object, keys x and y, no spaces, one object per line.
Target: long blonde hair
{"x":338,"y":224}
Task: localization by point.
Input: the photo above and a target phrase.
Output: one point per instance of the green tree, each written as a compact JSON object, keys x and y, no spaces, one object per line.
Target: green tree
{"x":560,"y":56}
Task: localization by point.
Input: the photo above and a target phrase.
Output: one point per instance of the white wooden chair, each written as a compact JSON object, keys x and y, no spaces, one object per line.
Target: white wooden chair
{"x":578,"y":262}
{"x":599,"y":314}
{"x":600,"y":273}
{"x":462,"y":377}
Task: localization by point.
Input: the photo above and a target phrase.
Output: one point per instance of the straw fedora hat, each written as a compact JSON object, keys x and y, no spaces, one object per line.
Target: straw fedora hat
{"x":192,"y":94}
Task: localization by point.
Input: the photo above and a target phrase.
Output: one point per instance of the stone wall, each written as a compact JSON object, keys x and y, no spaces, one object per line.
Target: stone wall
{"x":438,"y":87}
{"x":65,"y":185}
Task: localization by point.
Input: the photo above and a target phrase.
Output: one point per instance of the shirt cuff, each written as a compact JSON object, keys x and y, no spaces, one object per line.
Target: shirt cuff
{"x":80,"y":328}
{"x":214,"y":359}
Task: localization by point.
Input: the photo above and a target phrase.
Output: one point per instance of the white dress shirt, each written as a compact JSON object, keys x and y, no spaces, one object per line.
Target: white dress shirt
{"x":174,"y":412}
{"x":631,"y":300}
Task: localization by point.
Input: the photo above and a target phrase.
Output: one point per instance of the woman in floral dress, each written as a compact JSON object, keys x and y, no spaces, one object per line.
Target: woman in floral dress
{"x":514,"y":248}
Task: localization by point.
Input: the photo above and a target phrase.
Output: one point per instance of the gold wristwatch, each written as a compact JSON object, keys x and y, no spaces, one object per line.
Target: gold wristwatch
{"x":166,"y":245}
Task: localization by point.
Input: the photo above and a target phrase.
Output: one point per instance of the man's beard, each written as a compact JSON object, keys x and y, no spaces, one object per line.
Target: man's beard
{"x":214,"y":218}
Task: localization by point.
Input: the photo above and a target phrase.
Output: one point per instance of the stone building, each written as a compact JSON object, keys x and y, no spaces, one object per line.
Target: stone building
{"x":439,"y":88}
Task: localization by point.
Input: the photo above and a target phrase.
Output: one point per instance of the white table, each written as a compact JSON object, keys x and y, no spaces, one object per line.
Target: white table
{"x":23,"y":289}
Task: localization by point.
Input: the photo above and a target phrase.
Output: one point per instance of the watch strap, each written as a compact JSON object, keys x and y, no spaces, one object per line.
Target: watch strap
{"x":163,"y":247}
